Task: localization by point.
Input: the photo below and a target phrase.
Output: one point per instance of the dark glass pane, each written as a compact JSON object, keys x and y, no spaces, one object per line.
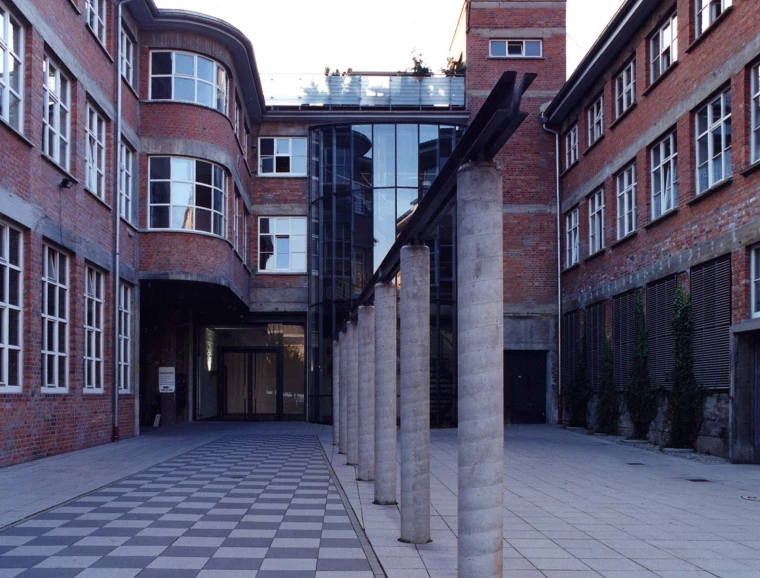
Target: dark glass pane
{"x":203,"y":220}
{"x":267,"y":165}
{"x":385,"y":155}
{"x":218,"y":198}
{"x":162,"y":63}
{"x":203,"y":172}
{"x":428,"y":164}
{"x":267,"y":147}
{"x":51,"y":309}
{"x":161,"y":88}
{"x":159,"y":217}
{"x":266,"y":261}
{"x":13,"y":287}
{"x":266,"y":244}
{"x":159,"y":192}
{"x":446,"y":143}
{"x":362,"y":139}
{"x":13,"y":328}
{"x":203,"y":196}
{"x":160,"y":168}
{"x":283,"y":164}
{"x":264,"y":225}
{"x":14,"y":247}
{"x":218,"y":224}
{"x":218,"y":178}
{"x":384,"y":217}
{"x":13,"y":368}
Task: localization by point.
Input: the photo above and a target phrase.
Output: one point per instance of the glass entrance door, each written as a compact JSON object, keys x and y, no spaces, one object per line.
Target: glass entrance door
{"x":251,"y":384}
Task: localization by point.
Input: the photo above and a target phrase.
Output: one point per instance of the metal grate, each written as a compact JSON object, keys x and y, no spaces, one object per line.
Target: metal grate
{"x":660,"y":299}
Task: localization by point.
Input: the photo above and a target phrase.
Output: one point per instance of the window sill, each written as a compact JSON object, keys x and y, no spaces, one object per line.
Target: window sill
{"x":625,"y":239}
{"x":125,"y":392}
{"x":93,"y":391}
{"x":596,"y":255}
{"x":666,"y":215}
{"x":187,"y":232}
{"x":568,"y":169}
{"x":288,"y":273}
{"x":714,"y":189}
{"x":515,"y":57}
{"x":282,"y":176}
{"x":710,"y":28}
{"x":571,"y":267}
{"x":11,"y":390}
{"x":185,"y":102}
{"x":624,"y":114}
{"x":60,"y":169}
{"x":55,"y":390}
{"x":130,"y":87}
{"x":751,"y":168}
{"x":129,"y":224}
{"x":660,"y":78}
{"x":593,"y":144}
{"x":16,"y":132}
{"x":97,"y":198}
{"x":100,"y":43}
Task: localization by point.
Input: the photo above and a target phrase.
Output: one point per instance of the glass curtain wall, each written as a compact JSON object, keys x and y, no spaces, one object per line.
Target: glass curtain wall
{"x":366,"y":181}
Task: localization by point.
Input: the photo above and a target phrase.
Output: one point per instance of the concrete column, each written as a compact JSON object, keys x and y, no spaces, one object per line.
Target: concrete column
{"x":336,"y":391}
{"x":480,"y":346}
{"x":343,"y":397}
{"x":415,"y":394}
{"x":352,"y":449}
{"x":366,"y":335}
{"x":385,"y":393}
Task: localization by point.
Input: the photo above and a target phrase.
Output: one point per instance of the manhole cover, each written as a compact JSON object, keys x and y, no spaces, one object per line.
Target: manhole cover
{"x":751,"y":498}
{"x":698,"y":480}
{"x":634,"y":464}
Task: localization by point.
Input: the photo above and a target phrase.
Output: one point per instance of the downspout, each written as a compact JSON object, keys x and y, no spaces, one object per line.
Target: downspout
{"x":544,"y":121}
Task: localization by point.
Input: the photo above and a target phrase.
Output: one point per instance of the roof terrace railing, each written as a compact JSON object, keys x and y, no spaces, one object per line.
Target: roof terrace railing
{"x":309,"y":91}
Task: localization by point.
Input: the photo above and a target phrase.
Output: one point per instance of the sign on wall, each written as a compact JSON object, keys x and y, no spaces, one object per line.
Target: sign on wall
{"x":167,"y":382}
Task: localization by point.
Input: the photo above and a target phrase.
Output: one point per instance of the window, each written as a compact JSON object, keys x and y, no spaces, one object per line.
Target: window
{"x":55,"y":320}
{"x":127,"y":57}
{"x":95,"y":164}
{"x":238,"y":119}
{"x":235,"y":217}
{"x":93,"y":330}
{"x":572,"y":247}
{"x":755,"y":282}
{"x":185,"y":77}
{"x":625,"y":89}
{"x":664,"y":175}
{"x":707,"y":12}
{"x":126,"y":168}
{"x":125,"y":338}
{"x":245,"y":235}
{"x":186,"y":194}
{"x":659,"y":317}
{"x":596,"y":222}
{"x":596,"y":120}
{"x":755,"y":106}
{"x":55,"y":113}
{"x":663,"y":48}
{"x":11,"y":70}
{"x":246,"y":136}
{"x":282,"y":244}
{"x":623,"y":337}
{"x":97,"y":18}
{"x":714,"y":142}
{"x":626,"y":201}
{"x":516,"y":49}
{"x":571,"y":147}
{"x":11,"y":310}
{"x":282,"y":157}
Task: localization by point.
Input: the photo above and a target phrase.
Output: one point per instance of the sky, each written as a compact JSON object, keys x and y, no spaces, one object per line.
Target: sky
{"x":302,"y":36}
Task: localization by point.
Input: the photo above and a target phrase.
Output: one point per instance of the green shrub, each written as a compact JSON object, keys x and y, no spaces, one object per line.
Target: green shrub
{"x":641,"y":397}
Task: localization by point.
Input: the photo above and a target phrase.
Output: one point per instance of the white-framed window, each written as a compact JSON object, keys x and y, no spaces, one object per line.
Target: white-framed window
{"x":55,"y":320}
{"x":282,"y":244}
{"x":516,"y":49}
{"x":625,"y":89}
{"x":595,"y":115}
{"x":663,"y":48}
{"x":571,"y":147}
{"x":572,"y":238}
{"x":125,"y":338}
{"x":626,"y":201}
{"x":282,"y":157}
{"x":126,"y":171}
{"x":11,"y":70}
{"x":187,"y":195}
{"x":664,"y":175}
{"x":127,"y":57}
{"x":95,"y":158}
{"x":187,"y":77}
{"x":11,"y":308}
{"x":235,"y":223}
{"x":246,"y":137}
{"x":56,"y":120}
{"x":94,"y":298}
{"x":238,"y":119}
{"x":97,"y":18}
{"x":755,"y":114}
{"x":596,"y":222}
{"x":245,"y":235}
{"x":713,"y":127}
{"x":707,"y":12}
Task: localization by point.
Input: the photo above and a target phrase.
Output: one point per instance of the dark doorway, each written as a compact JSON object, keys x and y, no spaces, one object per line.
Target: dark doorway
{"x":525,"y":387}
{"x":756,"y":452}
{"x":250,"y":384}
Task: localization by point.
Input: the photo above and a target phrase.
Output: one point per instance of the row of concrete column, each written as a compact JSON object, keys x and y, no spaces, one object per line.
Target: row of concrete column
{"x":364,"y":382}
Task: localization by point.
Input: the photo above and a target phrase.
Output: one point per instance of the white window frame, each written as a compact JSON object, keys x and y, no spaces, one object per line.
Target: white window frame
{"x":712,"y":9}
{"x":95,"y":153}
{"x":56,"y":101}
{"x":235,"y":217}
{"x":280,"y":233}
{"x":220,"y":83}
{"x":572,"y":238}
{"x":663,"y":48}
{"x":7,"y":268}
{"x":755,"y":114}
{"x":94,"y":297}
{"x":706,"y":134}
{"x":571,"y":147}
{"x":57,"y":282}
{"x":125,"y":338}
{"x":664,"y":163}
{"x":625,"y":89}
{"x":11,"y":27}
{"x":596,"y":222}
{"x":97,"y":19}
{"x":515,"y":43}
{"x":126,"y":172}
{"x":276,"y":142}
{"x":127,"y":51}
{"x":245,"y":235}
{"x":595,"y":115}
{"x":626,"y":201}
{"x":238,"y":119}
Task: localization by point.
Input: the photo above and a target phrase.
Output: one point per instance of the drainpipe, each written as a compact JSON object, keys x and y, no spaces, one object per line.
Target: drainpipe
{"x":544,"y":121}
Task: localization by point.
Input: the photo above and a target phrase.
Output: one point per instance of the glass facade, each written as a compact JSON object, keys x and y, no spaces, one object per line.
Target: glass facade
{"x":366,"y":182}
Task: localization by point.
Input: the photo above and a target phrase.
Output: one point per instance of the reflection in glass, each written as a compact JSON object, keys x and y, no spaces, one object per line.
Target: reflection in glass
{"x":384,"y":222}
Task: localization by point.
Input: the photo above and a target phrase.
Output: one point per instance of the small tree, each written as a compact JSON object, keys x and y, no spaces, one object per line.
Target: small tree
{"x":608,"y":402}
{"x":454,"y":67}
{"x":640,"y":396}
{"x":687,"y":397}
{"x":578,"y":392}
{"x":419,"y":68}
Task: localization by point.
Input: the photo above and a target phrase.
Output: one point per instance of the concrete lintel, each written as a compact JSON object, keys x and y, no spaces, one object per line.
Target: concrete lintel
{"x":746,"y":326}
{"x":515,"y":4}
{"x":281,"y":210}
{"x":519,"y":209}
{"x":500,"y":33}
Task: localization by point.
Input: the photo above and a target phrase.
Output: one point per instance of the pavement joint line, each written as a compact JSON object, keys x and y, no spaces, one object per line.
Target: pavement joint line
{"x":374,"y":562}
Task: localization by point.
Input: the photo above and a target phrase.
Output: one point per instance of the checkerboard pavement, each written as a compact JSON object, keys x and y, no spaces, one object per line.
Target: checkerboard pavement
{"x":248,"y":506}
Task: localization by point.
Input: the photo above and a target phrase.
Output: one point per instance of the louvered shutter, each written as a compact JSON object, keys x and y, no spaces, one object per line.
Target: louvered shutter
{"x":595,"y":332}
{"x":659,"y":317}
{"x":571,"y":335}
{"x":623,"y":337}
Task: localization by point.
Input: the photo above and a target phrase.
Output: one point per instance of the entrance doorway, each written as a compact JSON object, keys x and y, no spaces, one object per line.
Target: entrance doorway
{"x":525,"y":387}
{"x":250,"y":384}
